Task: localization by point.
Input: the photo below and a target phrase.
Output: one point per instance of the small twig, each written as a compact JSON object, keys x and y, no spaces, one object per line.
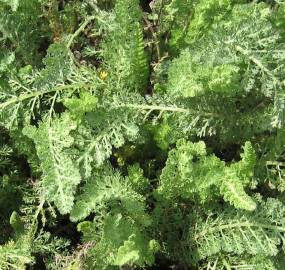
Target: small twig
{"x":79,"y":30}
{"x":159,"y":13}
{"x":156,"y":42}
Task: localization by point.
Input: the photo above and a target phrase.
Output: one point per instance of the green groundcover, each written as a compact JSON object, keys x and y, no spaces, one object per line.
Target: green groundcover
{"x":142,"y":135}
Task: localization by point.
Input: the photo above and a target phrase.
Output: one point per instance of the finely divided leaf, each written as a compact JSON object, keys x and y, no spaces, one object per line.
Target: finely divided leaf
{"x":60,"y":173}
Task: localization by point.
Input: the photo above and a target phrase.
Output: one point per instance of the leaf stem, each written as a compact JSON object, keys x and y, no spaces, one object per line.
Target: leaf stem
{"x":163,"y":108}
{"x":38,"y":93}
{"x":155,"y":108}
{"x":238,"y":225}
{"x":257,"y":62}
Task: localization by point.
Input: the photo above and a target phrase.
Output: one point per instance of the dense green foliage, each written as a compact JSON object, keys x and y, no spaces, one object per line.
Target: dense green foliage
{"x":142,"y":134}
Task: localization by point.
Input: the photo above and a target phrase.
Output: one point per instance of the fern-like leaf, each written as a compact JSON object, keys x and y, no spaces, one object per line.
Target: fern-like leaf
{"x":123,"y":50}
{"x":238,"y":232}
{"x":189,"y":173}
{"x":60,"y":173}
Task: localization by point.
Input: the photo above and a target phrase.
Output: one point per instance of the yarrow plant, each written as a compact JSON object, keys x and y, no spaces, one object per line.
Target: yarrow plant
{"x":142,"y":134}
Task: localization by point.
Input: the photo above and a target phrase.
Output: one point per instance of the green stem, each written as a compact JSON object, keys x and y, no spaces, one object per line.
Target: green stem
{"x":155,"y":108}
{"x":238,"y":225}
{"x":24,"y":97}
{"x":257,"y":62}
{"x":226,"y":264}
{"x":79,"y":30}
{"x":164,"y":108}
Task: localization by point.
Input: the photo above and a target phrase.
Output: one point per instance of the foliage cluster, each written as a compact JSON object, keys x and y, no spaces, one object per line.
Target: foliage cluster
{"x":142,"y":135}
